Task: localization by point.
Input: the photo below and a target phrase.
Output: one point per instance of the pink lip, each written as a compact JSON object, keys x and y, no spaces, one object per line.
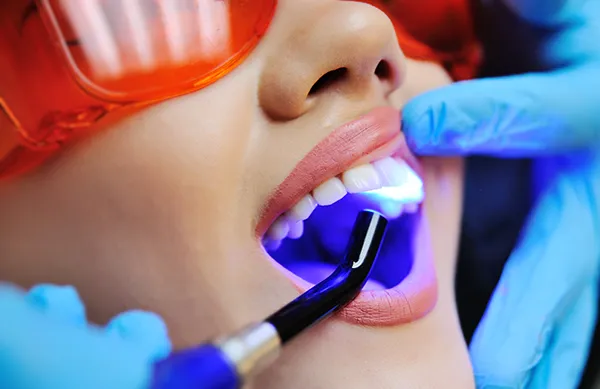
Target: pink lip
{"x":371,"y":137}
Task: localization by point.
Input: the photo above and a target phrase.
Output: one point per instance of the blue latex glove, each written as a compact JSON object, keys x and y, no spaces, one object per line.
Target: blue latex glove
{"x":539,"y":323}
{"x":46,"y":343}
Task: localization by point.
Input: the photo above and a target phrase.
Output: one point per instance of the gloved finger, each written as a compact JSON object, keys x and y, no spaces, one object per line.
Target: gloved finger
{"x":546,"y":12}
{"x":562,"y":365}
{"x":556,"y":259}
{"x":147,"y":330}
{"x":39,"y":351}
{"x":519,"y":116}
{"x":59,"y":301}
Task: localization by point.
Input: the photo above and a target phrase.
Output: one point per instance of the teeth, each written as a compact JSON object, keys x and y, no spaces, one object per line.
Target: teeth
{"x":392,"y":209}
{"x":392,"y":172}
{"x":303,"y":209}
{"x":271,"y":245}
{"x":330,"y":191}
{"x":411,"y":208}
{"x":400,"y":183}
{"x":387,"y":178}
{"x":279,"y":229}
{"x":361,"y":179}
{"x":296,"y":230}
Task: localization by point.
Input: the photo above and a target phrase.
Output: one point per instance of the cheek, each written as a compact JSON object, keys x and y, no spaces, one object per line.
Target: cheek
{"x":198,"y":141}
{"x":443,"y":206}
{"x":181,"y":159}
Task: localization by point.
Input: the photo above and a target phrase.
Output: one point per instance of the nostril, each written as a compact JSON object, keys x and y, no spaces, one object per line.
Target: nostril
{"x":383,"y":71}
{"x":328,"y":79}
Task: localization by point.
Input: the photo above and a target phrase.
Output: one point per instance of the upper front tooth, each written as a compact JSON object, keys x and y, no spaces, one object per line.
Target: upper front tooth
{"x":392,"y":172}
{"x":303,"y":209}
{"x":330,"y":191}
{"x":361,"y":179}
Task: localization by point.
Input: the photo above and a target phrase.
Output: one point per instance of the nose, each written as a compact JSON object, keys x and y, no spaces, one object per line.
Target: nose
{"x":329,"y":50}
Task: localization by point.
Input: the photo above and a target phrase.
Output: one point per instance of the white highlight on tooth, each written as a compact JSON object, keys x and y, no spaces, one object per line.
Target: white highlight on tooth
{"x":303,"y":209}
{"x":409,"y":188}
{"x":361,"y":179}
{"x":391,"y":171}
{"x":296,"y":229}
{"x":392,"y":209}
{"x":279,"y":230}
{"x":330,"y":191}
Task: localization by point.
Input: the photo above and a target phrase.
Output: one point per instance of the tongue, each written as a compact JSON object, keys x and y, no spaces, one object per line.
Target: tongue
{"x":315,"y":272}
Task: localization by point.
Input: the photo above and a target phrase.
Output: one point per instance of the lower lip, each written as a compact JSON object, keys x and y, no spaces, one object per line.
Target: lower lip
{"x":409,"y":301}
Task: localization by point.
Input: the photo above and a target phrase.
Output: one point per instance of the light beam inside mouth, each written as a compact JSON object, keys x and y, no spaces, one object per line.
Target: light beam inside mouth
{"x":393,"y":199}
{"x":411,"y":191}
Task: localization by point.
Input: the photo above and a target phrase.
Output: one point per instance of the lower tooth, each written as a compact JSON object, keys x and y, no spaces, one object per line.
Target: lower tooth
{"x":271,"y":245}
{"x":296,"y":230}
{"x":279,"y":230}
{"x":411,"y":208}
{"x":392,"y":209}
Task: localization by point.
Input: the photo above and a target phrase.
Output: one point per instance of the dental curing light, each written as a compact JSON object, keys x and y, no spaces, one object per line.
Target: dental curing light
{"x":226,"y":364}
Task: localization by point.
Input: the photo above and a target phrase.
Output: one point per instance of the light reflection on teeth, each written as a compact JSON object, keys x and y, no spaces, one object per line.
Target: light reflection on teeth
{"x":392,"y":172}
{"x":409,"y":191}
{"x":330,"y":191}
{"x":389,"y":181}
{"x":392,"y":209}
{"x":361,"y":179}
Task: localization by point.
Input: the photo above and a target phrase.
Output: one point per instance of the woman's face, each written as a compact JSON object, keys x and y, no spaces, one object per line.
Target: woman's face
{"x":167,"y":209}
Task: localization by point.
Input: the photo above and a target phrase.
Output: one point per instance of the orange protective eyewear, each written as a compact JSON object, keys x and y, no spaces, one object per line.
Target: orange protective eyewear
{"x":64,"y":64}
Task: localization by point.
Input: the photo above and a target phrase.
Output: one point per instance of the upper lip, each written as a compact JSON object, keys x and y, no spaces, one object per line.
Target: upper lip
{"x":372,"y":136}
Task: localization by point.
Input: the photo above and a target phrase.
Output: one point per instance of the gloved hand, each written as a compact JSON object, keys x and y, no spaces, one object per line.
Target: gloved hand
{"x":539,"y":323}
{"x":46,"y":343}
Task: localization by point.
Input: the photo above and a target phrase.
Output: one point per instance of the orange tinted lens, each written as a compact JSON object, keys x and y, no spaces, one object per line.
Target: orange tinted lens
{"x":145,"y":49}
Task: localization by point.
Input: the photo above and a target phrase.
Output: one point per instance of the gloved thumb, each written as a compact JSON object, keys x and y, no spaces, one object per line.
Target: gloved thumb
{"x":517,"y":116}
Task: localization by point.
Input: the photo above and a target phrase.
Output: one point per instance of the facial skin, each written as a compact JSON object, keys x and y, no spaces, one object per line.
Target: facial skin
{"x":158,"y":209}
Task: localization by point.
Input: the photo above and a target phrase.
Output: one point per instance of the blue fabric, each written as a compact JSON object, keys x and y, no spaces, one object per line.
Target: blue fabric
{"x":539,"y":99}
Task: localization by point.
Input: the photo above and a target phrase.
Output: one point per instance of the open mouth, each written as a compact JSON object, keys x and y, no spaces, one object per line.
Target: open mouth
{"x":309,"y":217}
{"x":309,"y":239}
